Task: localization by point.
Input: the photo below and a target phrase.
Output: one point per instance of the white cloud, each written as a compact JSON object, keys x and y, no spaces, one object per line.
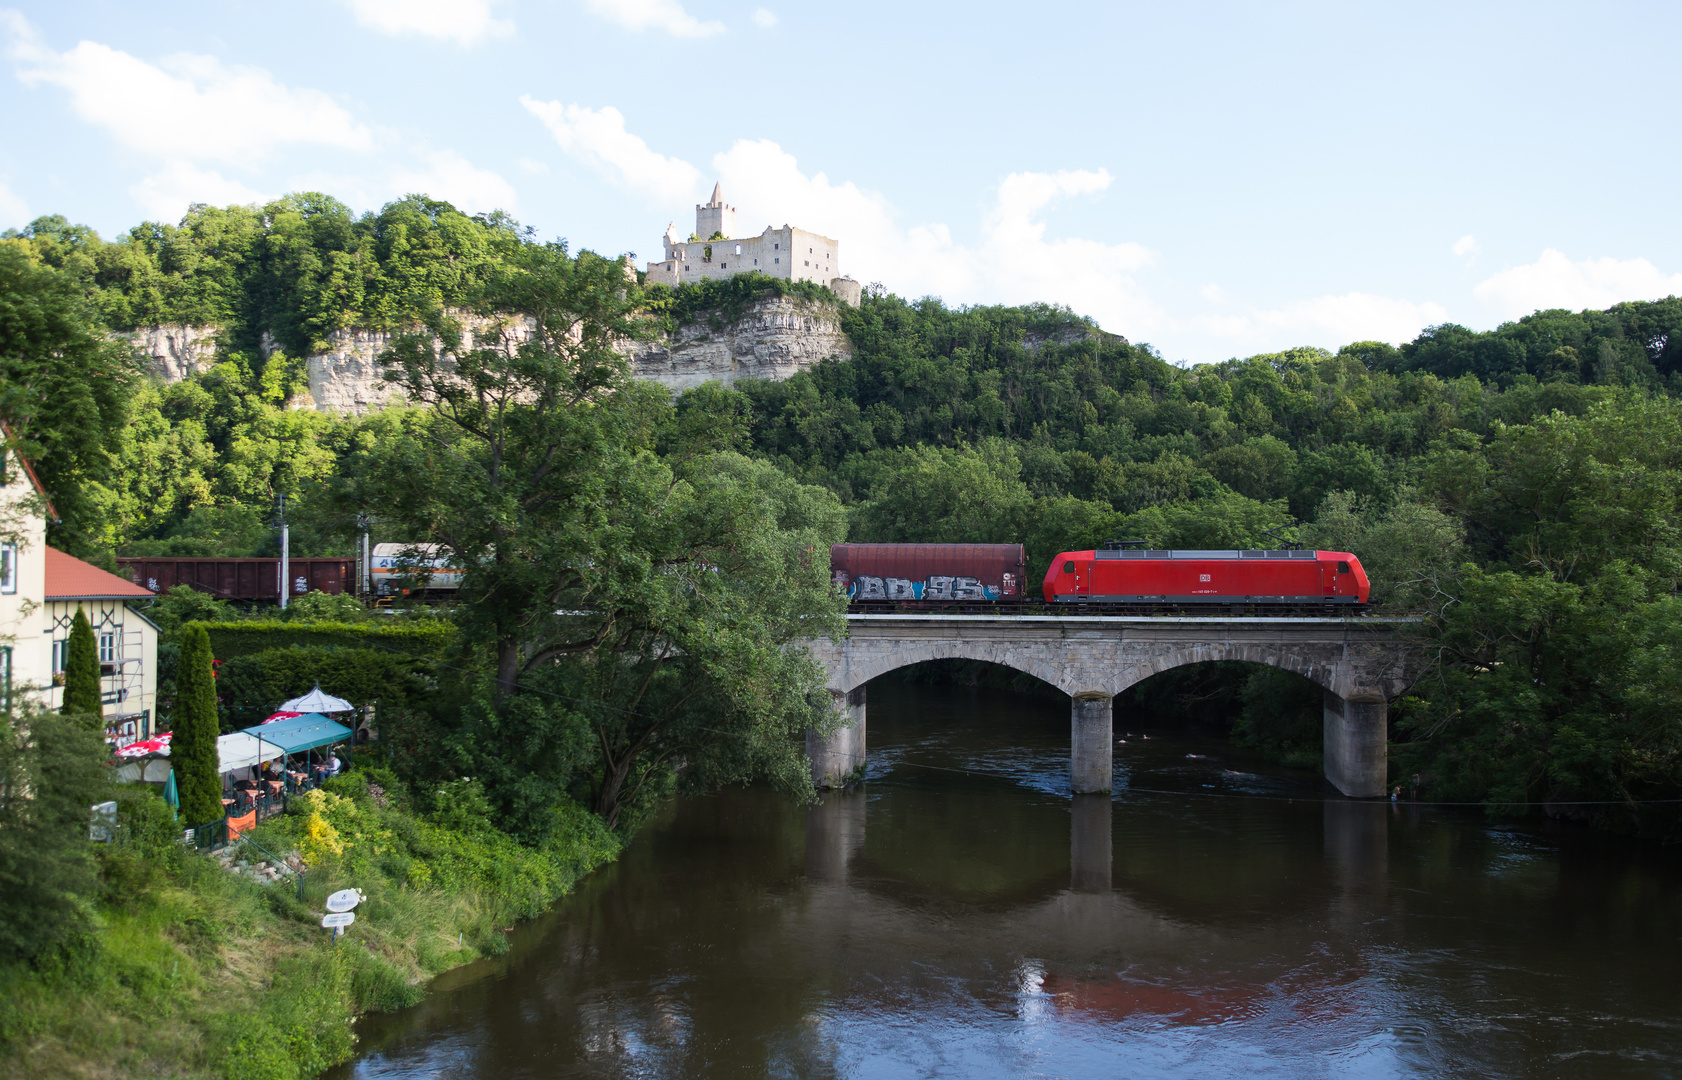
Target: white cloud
{"x":196,"y":118}
{"x":14,"y":212}
{"x":1466,"y":245}
{"x":449,"y":176}
{"x":190,"y":107}
{"x":1013,"y":263}
{"x":1554,"y":281}
{"x":165,"y":195}
{"x":1354,"y":317}
{"x":764,"y":17}
{"x":1212,"y":293}
{"x":1330,"y":321}
{"x":466,"y":22}
{"x":598,"y":137}
{"x":667,"y":15}
{"x":533,"y":166}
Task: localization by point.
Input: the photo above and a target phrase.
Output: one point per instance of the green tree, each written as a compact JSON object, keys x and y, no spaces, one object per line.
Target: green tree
{"x":181,"y":605}
{"x":196,"y":727}
{"x":64,"y":391}
{"x":51,"y":771}
{"x":633,"y":615}
{"x":81,"y":674}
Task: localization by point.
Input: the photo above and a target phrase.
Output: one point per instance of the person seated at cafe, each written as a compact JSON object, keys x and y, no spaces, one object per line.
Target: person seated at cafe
{"x":333,"y":765}
{"x":274,"y":769}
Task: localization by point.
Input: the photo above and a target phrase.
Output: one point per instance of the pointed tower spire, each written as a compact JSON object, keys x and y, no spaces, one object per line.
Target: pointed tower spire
{"x":718,"y":194}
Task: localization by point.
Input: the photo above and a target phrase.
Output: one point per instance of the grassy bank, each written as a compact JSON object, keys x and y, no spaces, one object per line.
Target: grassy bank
{"x":186,"y":969}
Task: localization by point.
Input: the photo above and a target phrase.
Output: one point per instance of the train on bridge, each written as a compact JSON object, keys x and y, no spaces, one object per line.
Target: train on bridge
{"x":1119,"y":578}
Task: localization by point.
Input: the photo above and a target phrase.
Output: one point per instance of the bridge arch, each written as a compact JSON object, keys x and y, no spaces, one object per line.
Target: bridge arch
{"x":1323,"y":675}
{"x":848,"y":678}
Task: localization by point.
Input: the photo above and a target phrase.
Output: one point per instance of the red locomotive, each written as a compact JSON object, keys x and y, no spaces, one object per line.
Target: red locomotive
{"x":1187,"y":578}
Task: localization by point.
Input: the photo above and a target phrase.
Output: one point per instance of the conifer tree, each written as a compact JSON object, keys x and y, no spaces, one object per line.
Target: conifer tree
{"x":81,"y":673}
{"x":193,"y":747}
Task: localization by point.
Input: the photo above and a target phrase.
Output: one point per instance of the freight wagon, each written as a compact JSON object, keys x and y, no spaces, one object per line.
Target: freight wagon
{"x":1197,"y":578}
{"x":405,"y":569}
{"x":891,"y":574}
{"x":242,"y":579}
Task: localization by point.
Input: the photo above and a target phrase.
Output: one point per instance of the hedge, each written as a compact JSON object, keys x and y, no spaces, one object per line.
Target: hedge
{"x":231,"y":639}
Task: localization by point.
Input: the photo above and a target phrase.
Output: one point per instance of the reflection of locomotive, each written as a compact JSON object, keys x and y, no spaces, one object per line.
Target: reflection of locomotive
{"x":1118,"y":578}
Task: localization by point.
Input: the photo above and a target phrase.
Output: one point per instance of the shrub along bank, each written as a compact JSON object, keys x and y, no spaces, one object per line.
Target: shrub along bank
{"x":180,"y":968}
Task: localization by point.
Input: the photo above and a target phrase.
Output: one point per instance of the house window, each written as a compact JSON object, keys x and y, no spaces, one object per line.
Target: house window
{"x":8,"y":568}
{"x":108,"y":648}
{"x":5,"y":678}
{"x":808,"y":262}
{"x":61,"y":654}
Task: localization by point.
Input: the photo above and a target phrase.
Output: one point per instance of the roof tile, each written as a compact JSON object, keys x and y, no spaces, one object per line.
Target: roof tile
{"x":69,"y":578}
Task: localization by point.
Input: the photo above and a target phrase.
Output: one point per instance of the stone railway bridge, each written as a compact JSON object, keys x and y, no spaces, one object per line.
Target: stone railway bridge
{"x":1359,"y":663}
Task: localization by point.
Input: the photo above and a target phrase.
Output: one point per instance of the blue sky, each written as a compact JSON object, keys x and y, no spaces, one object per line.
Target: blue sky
{"x":1215,"y":179}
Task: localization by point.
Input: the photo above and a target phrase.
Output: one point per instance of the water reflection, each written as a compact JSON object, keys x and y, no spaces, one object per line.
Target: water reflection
{"x":961,"y":915}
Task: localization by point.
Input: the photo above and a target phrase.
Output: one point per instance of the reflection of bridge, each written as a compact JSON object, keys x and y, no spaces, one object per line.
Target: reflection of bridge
{"x":1359,"y":663}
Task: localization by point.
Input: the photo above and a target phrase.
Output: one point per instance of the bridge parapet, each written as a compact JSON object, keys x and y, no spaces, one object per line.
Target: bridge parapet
{"x":1093,"y":658}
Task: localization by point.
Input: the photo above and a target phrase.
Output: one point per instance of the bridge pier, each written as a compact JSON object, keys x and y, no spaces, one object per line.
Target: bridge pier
{"x":1091,"y":744}
{"x":838,"y":757}
{"x":1356,"y":741}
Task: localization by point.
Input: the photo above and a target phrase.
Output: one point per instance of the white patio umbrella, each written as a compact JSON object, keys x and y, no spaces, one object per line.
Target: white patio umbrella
{"x":317,"y":702}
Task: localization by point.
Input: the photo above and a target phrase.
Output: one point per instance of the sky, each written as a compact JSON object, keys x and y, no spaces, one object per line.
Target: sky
{"x":1213,"y":179}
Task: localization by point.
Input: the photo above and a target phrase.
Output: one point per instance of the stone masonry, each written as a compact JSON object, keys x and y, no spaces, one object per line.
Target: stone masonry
{"x":1360,"y":664}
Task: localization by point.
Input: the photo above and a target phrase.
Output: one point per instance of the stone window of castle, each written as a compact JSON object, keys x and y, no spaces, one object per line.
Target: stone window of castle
{"x":738,"y":249}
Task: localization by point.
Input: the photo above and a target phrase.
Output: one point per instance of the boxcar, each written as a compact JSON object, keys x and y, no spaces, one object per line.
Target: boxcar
{"x":928,"y":573}
{"x":1185,"y":578}
{"x":242,"y":579}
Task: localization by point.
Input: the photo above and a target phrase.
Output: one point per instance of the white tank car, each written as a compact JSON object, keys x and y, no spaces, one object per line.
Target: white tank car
{"x":396,"y":566}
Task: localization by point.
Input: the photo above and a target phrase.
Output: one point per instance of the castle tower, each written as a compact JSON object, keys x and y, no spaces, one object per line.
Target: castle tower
{"x":715,"y":217}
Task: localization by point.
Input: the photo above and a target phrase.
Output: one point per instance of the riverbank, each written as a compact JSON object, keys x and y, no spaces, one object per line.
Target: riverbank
{"x":191,"y":971}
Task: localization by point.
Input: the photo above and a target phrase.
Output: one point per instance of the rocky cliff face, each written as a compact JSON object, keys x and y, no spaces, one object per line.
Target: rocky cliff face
{"x":176,"y":352}
{"x":773,"y":339}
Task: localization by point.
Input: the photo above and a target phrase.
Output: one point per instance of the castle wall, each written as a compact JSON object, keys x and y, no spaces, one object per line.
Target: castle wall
{"x":789,"y":253}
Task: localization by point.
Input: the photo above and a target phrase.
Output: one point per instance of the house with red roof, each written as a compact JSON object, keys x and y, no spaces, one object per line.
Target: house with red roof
{"x":40,"y":590}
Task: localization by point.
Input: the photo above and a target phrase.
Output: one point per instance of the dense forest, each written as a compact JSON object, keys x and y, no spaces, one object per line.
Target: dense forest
{"x":1518,"y":486}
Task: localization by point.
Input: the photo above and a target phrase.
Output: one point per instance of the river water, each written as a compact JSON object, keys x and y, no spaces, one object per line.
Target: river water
{"x":960,"y":915}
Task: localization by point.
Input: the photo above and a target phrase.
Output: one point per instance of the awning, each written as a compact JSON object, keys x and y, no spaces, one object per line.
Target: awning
{"x":316,"y":701}
{"x":241,"y":751}
{"x":298,"y":734}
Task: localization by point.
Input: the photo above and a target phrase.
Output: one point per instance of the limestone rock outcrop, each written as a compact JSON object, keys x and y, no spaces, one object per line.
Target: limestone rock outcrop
{"x":174,"y":353}
{"x":773,"y":339}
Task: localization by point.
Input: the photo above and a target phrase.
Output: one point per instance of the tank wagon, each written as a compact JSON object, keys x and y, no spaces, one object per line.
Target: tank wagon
{"x":407,"y":569}
{"x":242,"y":579}
{"x":1133,"y":576}
{"x":889,"y":575}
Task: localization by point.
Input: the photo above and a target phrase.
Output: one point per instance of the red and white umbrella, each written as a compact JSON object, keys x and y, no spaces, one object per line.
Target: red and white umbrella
{"x":281,"y":716}
{"x":159,"y":745}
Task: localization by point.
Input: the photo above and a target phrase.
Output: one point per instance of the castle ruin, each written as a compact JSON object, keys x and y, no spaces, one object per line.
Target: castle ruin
{"x":714,"y":251}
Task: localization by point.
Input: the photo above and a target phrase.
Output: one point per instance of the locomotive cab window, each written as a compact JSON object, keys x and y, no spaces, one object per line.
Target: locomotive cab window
{"x":1343,"y":568}
{"x":1068,"y":568}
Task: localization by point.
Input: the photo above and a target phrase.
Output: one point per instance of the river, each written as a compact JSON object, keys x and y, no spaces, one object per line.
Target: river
{"x":959,"y":915}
